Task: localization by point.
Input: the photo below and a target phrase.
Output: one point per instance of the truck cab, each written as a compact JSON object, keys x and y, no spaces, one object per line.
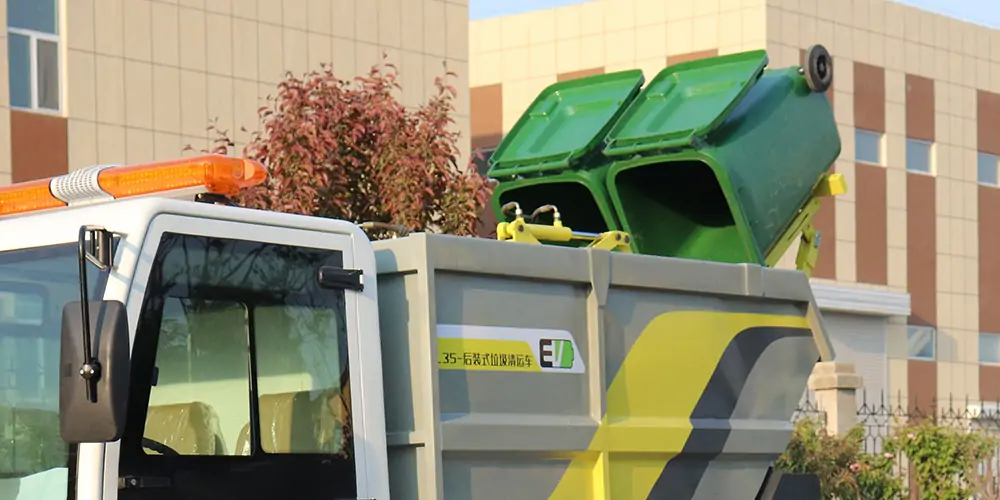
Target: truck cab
{"x":206,"y":351}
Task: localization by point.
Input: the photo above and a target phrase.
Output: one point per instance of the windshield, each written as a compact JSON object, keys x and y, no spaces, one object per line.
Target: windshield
{"x":35,"y":284}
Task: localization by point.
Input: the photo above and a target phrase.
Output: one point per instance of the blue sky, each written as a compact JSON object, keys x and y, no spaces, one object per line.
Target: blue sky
{"x":977,"y":11}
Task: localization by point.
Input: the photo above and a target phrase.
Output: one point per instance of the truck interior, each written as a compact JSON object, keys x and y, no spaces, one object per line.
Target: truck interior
{"x":200,"y":403}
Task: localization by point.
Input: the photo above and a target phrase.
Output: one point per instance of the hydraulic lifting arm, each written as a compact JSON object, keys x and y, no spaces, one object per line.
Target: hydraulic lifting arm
{"x":802,"y":226}
{"x":521,"y":231}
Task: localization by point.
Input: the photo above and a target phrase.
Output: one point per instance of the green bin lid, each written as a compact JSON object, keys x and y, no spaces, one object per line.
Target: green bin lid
{"x":565,"y":122}
{"x":685,"y":101}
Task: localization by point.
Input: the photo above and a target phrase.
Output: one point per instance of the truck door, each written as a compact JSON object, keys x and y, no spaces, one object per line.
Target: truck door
{"x":243,"y":366}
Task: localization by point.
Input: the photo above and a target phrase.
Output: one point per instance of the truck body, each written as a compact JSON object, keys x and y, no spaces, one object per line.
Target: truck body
{"x":157,"y":347}
{"x":477,"y":368}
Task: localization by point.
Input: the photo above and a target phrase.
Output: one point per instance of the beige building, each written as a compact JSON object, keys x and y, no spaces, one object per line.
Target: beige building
{"x":909,"y":265}
{"x":111,"y":81}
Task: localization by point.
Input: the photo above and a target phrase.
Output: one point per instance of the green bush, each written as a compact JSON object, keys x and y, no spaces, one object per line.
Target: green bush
{"x":844,"y":470}
{"x":943,"y":462}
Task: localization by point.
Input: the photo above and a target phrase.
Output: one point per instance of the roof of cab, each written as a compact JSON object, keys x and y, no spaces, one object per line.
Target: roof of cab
{"x":134,"y":214}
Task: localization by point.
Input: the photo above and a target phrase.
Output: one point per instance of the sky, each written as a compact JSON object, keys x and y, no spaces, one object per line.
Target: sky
{"x":976,"y":11}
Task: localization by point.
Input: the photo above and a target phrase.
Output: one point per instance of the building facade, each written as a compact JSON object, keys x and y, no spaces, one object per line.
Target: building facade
{"x":908,"y":273}
{"x":113,"y":81}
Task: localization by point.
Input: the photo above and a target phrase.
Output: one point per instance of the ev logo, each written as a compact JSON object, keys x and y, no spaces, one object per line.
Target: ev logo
{"x":556,"y":353}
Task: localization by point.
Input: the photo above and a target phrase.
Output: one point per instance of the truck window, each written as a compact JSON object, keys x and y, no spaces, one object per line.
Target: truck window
{"x":250,"y":353}
{"x":35,"y":284}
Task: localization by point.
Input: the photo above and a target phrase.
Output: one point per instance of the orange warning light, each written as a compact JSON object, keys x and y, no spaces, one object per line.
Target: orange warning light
{"x":217,"y":174}
{"x":27,"y":197}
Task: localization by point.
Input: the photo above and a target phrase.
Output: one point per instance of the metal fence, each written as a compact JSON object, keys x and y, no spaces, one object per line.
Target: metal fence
{"x":883,"y":416}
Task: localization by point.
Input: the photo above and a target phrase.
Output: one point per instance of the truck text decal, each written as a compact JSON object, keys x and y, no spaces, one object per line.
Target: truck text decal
{"x":489,"y":348}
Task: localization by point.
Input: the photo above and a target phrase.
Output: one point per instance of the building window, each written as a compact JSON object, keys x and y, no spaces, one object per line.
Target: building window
{"x":867,"y":146}
{"x":33,"y":54}
{"x":989,"y":349}
{"x":988,"y":165}
{"x":921,"y":342}
{"x":919,"y":157}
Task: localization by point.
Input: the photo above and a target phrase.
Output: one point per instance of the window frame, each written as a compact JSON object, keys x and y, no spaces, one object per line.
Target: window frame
{"x":996,"y":169}
{"x":980,"y":349}
{"x":365,"y":364}
{"x":881,"y":147}
{"x":251,"y":307}
{"x":933,"y":342}
{"x":931,"y":157}
{"x":33,"y":38}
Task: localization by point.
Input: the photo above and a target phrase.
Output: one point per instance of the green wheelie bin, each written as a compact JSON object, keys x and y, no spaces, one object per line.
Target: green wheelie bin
{"x":713,"y":160}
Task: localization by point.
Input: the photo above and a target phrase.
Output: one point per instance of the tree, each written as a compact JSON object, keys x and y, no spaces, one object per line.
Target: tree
{"x":350,"y":150}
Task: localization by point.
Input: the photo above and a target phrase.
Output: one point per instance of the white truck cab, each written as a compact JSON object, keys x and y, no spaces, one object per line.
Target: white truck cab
{"x":226,"y":318}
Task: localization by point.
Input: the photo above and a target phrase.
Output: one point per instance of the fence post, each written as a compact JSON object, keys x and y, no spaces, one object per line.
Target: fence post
{"x":835,"y":384}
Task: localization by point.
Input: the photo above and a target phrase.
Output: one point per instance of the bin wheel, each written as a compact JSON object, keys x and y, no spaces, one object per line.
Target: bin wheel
{"x":818,"y":68}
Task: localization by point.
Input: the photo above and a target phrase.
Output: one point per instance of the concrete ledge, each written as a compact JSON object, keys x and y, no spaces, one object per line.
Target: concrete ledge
{"x":861,"y":300}
{"x":834,"y":375}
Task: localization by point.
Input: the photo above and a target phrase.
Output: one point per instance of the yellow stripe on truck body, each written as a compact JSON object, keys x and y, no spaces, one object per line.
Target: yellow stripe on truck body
{"x":633,"y":376}
{"x":653,"y":398}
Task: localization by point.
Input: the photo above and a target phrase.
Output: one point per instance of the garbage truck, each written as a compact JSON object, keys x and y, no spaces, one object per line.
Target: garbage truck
{"x":625,"y":336}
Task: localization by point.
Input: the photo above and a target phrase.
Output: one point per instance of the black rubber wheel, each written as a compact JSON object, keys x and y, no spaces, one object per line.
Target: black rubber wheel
{"x":818,"y":68}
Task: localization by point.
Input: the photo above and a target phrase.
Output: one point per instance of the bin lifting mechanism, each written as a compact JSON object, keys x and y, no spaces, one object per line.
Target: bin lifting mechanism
{"x":523,"y":232}
{"x":801,"y":227}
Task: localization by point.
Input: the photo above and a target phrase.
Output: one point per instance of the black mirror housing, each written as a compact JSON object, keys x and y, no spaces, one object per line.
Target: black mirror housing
{"x":97,"y":417}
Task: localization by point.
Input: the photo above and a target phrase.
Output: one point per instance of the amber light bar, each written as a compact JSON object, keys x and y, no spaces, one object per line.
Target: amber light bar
{"x":216,"y":174}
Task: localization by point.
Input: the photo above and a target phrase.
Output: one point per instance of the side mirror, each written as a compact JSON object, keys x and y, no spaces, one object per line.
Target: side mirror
{"x":93,"y":395}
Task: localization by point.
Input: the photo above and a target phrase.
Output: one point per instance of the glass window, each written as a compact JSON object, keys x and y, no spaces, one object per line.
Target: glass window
{"x":918,"y":156}
{"x":34,"y":15}
{"x":47,"y":68}
{"x":987,"y":164}
{"x":989,"y":348}
{"x":867,"y":146}
{"x":239,"y":318}
{"x":921,"y":342}
{"x":202,"y":358}
{"x":35,"y":284}
{"x":19,"y":57}
{"x":33,"y":51}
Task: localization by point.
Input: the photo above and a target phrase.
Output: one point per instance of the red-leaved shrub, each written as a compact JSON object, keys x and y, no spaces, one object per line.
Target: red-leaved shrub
{"x":348,"y":149}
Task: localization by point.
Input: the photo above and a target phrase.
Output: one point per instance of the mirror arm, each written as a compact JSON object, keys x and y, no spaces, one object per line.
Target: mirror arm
{"x":90,"y":370}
